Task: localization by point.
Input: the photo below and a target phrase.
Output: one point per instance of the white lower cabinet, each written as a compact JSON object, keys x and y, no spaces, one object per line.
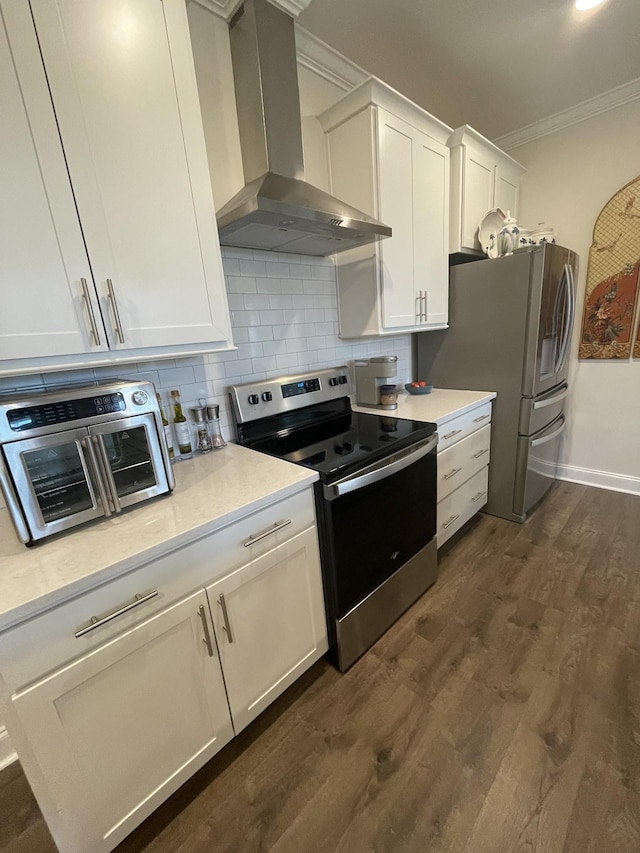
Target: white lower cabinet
{"x":463,"y":469}
{"x":118,"y":730}
{"x":114,"y":698}
{"x":270,"y":624}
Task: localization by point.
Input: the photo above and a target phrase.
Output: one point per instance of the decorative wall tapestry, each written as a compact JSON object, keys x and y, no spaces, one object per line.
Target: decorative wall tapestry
{"x":613,"y":278}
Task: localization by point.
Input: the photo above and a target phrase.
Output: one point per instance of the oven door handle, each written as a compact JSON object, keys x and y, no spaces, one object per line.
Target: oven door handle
{"x":380,"y":470}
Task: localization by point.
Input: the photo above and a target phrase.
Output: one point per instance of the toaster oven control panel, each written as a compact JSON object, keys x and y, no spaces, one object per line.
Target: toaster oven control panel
{"x":35,"y":417}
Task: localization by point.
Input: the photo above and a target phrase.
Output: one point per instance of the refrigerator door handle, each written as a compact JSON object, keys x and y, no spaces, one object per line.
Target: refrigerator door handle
{"x":549,"y":401}
{"x":568,"y":327}
{"x":545,"y":438}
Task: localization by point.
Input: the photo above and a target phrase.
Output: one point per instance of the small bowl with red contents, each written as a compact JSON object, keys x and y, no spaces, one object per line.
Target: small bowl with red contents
{"x":418,"y":387}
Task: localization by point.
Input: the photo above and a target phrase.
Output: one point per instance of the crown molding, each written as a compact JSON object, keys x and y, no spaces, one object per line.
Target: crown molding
{"x":326,"y":62}
{"x":624,"y":94}
{"x":226,"y":8}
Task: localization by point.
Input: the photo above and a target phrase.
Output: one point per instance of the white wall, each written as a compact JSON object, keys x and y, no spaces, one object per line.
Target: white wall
{"x":571,"y":174}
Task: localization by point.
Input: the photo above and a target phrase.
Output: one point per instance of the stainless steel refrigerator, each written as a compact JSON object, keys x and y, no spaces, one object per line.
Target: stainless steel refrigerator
{"x":510,"y":331}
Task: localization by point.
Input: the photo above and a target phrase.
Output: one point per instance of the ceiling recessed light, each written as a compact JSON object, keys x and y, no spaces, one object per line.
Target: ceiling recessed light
{"x":583,"y":5}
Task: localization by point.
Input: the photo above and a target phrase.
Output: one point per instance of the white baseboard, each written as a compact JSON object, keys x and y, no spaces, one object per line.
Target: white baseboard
{"x":600,"y":479}
{"x":7,"y":753}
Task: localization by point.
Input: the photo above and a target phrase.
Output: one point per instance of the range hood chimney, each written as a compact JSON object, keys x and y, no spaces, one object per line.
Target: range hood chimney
{"x":277,"y":210}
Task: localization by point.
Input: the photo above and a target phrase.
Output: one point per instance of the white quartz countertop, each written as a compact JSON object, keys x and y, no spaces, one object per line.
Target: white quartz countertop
{"x":211,"y":491}
{"x":440,"y":406}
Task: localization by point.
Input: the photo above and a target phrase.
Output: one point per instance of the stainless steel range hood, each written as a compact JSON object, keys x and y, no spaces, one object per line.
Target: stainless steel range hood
{"x":278,"y":210}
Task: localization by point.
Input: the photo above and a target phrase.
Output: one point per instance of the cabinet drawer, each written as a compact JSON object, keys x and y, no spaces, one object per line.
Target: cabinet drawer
{"x":458,"y":507}
{"x":462,"y":460}
{"x":45,"y":642}
{"x":458,"y":428}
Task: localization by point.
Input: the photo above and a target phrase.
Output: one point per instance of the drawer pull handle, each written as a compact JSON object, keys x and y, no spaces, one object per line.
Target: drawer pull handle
{"x":478,"y":496}
{"x":205,"y":627}
{"x":451,"y":434}
{"x":452,"y":473}
{"x":94,"y":622}
{"x":481,"y":418}
{"x":226,"y":626}
{"x":480,"y":453}
{"x":450,"y":521}
{"x":256,"y":537}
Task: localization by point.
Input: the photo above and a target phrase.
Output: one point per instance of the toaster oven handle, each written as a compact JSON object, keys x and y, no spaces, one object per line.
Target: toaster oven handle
{"x":94,"y":470}
{"x":105,"y":470}
{"x":13,"y":505}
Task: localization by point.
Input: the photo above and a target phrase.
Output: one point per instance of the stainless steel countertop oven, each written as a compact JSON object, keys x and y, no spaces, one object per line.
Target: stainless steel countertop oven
{"x":74,"y":453}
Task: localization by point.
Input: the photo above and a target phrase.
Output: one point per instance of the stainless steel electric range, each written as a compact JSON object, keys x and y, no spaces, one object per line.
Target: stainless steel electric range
{"x":375,"y":499}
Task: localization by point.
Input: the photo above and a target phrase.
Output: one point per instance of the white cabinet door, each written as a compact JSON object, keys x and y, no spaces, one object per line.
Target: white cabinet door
{"x":482,"y":178}
{"x":270,"y":624}
{"x":114,"y":733}
{"x":123,"y":88}
{"x":507,"y":189}
{"x":414,"y":191}
{"x":45,"y":309}
{"x":431,"y":230}
{"x":477,"y":192}
{"x":397,"y":141}
{"x":391,"y":159}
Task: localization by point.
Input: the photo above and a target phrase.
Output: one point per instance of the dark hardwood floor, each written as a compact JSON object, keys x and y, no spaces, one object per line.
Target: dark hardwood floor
{"x":500,"y":714}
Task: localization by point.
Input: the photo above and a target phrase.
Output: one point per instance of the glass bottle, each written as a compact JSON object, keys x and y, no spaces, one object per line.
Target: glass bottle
{"x":181,"y":426}
{"x":213,"y":417}
{"x":202,"y":439}
{"x":167,"y":431}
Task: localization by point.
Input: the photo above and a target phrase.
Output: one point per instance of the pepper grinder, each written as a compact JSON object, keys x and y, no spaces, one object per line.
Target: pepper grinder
{"x":203,"y":442}
{"x":213,"y":418}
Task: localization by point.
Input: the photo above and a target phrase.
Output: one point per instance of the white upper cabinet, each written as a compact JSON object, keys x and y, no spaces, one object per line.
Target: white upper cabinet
{"x":482,"y":178}
{"x":123,"y":103}
{"x":389,"y":158}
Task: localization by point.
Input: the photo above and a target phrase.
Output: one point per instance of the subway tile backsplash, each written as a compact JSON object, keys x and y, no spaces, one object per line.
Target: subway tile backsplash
{"x":284,"y":317}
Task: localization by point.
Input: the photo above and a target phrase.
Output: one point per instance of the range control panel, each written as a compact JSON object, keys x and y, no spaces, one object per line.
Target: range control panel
{"x":274,"y":396}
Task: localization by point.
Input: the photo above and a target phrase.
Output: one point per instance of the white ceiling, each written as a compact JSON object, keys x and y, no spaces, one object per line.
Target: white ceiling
{"x":497,"y":65}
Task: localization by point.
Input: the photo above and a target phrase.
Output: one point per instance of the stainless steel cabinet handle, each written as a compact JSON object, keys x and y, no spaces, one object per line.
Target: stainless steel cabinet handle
{"x":452,"y":473}
{"x":478,"y":496}
{"x":117,"y":325}
{"x":256,"y":537}
{"x":424,"y":312}
{"x":92,"y":320}
{"x":94,"y":622}
{"x":451,"y":434}
{"x":480,"y":453}
{"x":481,"y":418}
{"x":205,"y":627}
{"x":226,"y":627}
{"x":450,"y":521}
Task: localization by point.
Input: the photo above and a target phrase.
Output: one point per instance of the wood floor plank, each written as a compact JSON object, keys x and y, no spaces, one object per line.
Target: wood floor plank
{"x":499,"y":714}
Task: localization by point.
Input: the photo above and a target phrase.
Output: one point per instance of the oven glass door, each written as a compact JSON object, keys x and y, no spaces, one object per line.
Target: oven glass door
{"x":130,"y":457}
{"x":55,"y":481}
{"x":374,"y":530}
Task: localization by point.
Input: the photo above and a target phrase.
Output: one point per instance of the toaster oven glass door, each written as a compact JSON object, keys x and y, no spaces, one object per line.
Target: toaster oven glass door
{"x":55,"y":481}
{"x":130,"y":456}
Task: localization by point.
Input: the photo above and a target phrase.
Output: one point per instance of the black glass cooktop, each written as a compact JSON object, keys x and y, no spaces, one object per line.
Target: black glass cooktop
{"x":332,"y":439}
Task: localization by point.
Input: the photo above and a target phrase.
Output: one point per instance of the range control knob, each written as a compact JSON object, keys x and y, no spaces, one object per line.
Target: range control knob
{"x":267,"y":396}
{"x":140,"y":398}
{"x":253,"y":399}
{"x":333,"y":381}
{"x":342,"y":379}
